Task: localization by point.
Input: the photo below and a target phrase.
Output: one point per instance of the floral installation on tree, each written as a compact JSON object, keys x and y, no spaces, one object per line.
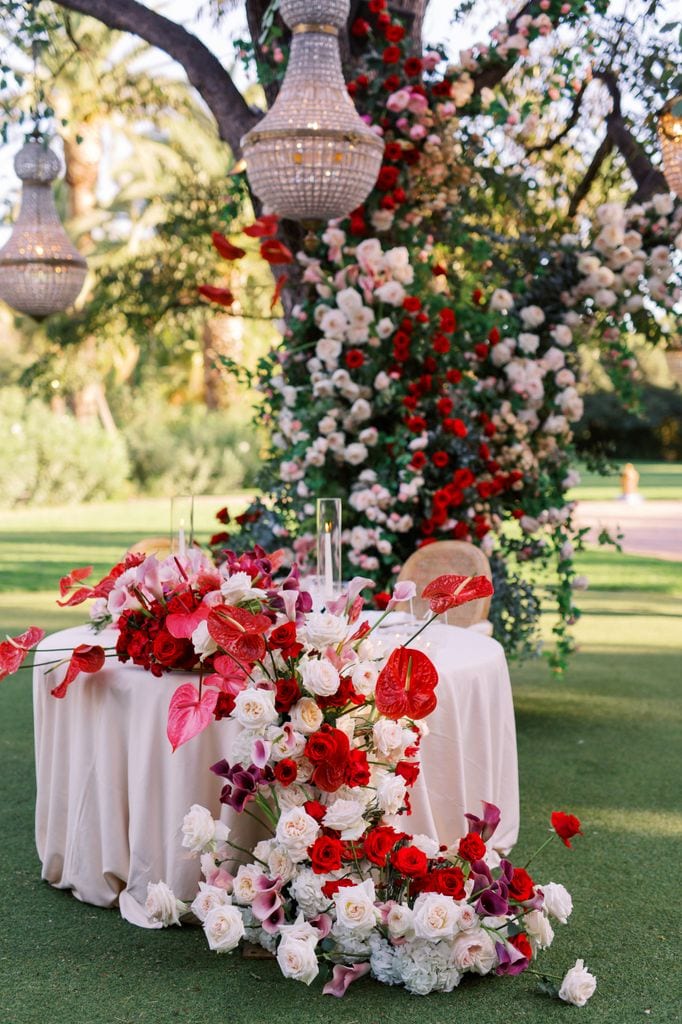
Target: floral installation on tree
{"x":325,"y":757}
{"x":430,"y":373}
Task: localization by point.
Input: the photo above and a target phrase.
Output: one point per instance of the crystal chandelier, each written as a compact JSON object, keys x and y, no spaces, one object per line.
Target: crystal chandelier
{"x":670,"y":135}
{"x":312,"y":157}
{"x":40,"y":270}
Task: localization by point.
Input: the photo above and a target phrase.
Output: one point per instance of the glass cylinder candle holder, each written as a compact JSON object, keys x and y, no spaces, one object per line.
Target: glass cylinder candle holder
{"x":182,"y":523}
{"x":329,"y":546}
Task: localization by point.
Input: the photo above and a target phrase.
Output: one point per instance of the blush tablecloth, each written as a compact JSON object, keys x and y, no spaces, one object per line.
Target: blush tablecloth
{"x":111,"y":795}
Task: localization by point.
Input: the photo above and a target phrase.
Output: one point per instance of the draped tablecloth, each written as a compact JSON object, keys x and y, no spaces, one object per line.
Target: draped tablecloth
{"x":111,"y":795}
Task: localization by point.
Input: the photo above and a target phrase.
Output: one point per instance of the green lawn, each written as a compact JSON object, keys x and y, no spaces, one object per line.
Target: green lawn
{"x":603,"y":742}
{"x":657,"y":481}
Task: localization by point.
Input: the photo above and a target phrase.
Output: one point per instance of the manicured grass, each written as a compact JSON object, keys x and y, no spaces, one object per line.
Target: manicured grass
{"x":658,"y":481}
{"x":603,"y":742}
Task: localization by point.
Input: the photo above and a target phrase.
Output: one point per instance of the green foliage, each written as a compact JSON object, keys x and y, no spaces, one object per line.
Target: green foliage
{"x":655,"y":432}
{"x":47,"y":458}
{"x":189,"y":449}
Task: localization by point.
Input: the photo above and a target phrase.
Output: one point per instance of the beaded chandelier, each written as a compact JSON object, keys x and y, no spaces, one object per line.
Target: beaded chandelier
{"x":312,"y":157}
{"x":670,"y":135}
{"x":40,"y":270}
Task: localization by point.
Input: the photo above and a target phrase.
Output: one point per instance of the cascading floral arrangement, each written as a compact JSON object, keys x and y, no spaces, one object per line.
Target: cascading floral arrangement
{"x":430,"y":371}
{"x":324,"y":759}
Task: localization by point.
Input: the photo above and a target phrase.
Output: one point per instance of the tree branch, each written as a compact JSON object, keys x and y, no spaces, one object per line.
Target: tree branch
{"x":648,"y":178}
{"x":204,"y":70}
{"x":550,"y":143}
{"x":592,"y":172}
{"x":493,"y":75}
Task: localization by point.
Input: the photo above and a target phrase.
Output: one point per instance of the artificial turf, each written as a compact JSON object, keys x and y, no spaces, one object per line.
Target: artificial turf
{"x":602,"y":742}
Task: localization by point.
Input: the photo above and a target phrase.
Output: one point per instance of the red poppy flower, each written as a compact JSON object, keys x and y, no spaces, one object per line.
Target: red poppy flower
{"x":239,"y":632}
{"x":225,"y":248}
{"x":451,"y":591}
{"x":566,"y":826}
{"x":406,"y":684}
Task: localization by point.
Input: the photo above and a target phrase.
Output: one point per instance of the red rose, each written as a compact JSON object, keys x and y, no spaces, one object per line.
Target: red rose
{"x":379,"y":842}
{"x":441,"y":344}
{"x":357,"y":225}
{"x":315,"y":809}
{"x":328,"y":749}
{"x":454,"y":376}
{"x":445,"y":406}
{"x":521,"y":885}
{"x":393,"y":151}
{"x":412,"y":303}
{"x":354,"y":358}
{"x":481,"y":350}
{"x":448,"y":320}
{"x":219,"y":538}
{"x":376,"y":6}
{"x":440,"y":459}
{"x":287,"y":693}
{"x":413,"y":67}
{"x":410,"y":861}
{"x":566,"y":826}
{"x":394,"y":33}
{"x":494,"y":336}
{"x":285,"y":771}
{"x":391,"y":55}
{"x":357,"y":769}
{"x":391,"y":83}
{"x":408,"y":770}
{"x":471,"y":847}
{"x":167,"y":650}
{"x":523,"y":945}
{"x":223,"y":516}
{"x":224,"y":706}
{"x":418,"y":460}
{"x":325,"y":855}
{"x":388,"y":176}
{"x":320,"y":745}
{"x":283,"y":636}
{"x":329,"y":889}
{"x":449,"y":882}
{"x":360,"y":28}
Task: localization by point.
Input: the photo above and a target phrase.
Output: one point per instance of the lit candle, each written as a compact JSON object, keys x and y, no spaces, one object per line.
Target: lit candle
{"x":328,"y":568}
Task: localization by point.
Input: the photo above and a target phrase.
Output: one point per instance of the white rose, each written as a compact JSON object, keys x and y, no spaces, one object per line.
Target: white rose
{"x":539,"y":930}
{"x":435,"y":916}
{"x":325,"y":630}
{"x":364,"y":677}
{"x":208,"y":897}
{"x":355,"y":910}
{"x":355,"y":453}
{"x":162,"y":905}
{"x":306,"y":889}
{"x":558,"y":902}
{"x":202,"y":641}
{"x":345,"y":816}
{"x":223,"y":927}
{"x":663,"y":205}
{"x":468,"y":918}
{"x":532,"y":316}
{"x":501,"y":300}
{"x":400,"y":921}
{"x":297,"y":960}
{"x":244,"y":886}
{"x":200,"y":830}
{"x":578,"y":985}
{"x":391,"y":292}
{"x":319,"y":676}
{"x":306,"y":716}
{"x":474,"y":950}
{"x":255,"y":708}
{"x":562,"y":335}
{"x":296,"y":831}
{"x":280,"y":864}
{"x":528,"y":343}
{"x":385,"y":327}
{"x":389,"y":739}
{"x":238,"y":588}
{"x":391,"y":793}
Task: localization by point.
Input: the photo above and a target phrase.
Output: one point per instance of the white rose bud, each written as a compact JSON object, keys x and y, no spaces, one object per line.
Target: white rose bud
{"x":200,"y":831}
{"x":578,"y":985}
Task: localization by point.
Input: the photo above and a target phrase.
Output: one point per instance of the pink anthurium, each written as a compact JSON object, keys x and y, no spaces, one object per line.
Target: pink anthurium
{"x":181,"y":625}
{"x":189,"y":712}
{"x":342,"y":977}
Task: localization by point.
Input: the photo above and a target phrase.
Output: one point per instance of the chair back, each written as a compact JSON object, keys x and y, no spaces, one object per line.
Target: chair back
{"x":159,"y":546}
{"x":456,"y":557}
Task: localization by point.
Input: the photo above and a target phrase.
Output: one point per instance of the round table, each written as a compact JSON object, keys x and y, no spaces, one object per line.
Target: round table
{"x":111,"y":795}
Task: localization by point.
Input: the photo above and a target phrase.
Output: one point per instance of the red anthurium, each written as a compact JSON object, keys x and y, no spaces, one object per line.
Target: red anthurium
{"x":223,"y":296}
{"x":275,"y":252}
{"x":406,"y":684}
{"x":264,"y":227}
{"x":75,"y":576}
{"x":281,"y":281}
{"x":181,"y":625}
{"x":239,"y":632}
{"x":14,"y":649}
{"x":85,"y":658}
{"x":450,"y":591}
{"x":189,"y":713}
{"x":225,"y":248}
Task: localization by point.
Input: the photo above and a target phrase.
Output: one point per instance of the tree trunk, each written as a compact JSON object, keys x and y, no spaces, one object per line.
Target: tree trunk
{"x":223,"y":336}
